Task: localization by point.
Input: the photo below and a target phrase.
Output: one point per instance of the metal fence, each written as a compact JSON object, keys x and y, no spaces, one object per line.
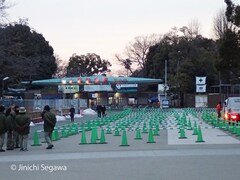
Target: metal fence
{"x":33,"y":105}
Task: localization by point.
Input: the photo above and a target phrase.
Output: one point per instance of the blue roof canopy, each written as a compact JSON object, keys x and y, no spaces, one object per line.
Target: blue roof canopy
{"x":100,"y":79}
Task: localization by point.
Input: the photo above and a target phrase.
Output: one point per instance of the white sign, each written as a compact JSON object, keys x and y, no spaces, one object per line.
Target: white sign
{"x":68,"y":88}
{"x":119,"y":86}
{"x":93,"y":88}
{"x":200,"y":80}
{"x":201,"y":101}
{"x":201,"y":88}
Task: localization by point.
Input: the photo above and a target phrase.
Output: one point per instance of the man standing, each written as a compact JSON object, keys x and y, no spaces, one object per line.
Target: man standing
{"x":49,"y":124}
{"x":10,"y":128}
{"x":99,"y":110}
{"x":23,"y":128}
{"x":3,"y":127}
{"x":72,"y":112}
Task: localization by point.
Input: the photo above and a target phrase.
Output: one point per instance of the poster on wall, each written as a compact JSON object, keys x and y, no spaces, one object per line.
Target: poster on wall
{"x":201,"y":101}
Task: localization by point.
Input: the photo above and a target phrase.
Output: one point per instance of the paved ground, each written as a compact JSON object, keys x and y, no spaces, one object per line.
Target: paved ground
{"x":168,"y":158}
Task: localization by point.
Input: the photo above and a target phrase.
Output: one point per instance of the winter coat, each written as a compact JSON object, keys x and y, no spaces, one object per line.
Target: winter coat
{"x":3,"y":126}
{"x":22,"y":124}
{"x":72,"y":112}
{"x":49,"y":121}
{"x":10,"y":122}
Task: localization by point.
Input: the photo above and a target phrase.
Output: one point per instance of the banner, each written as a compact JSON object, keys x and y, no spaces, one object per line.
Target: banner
{"x":93,"y":88}
{"x":68,"y":88}
{"x":200,"y":80}
{"x":201,"y":88}
{"x":120,"y":86}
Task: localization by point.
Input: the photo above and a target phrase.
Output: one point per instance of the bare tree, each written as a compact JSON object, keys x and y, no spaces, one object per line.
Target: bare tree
{"x":61,"y":67}
{"x":136,"y":52}
{"x":4,"y":5}
{"x":220,"y":24}
{"x":192,"y":30}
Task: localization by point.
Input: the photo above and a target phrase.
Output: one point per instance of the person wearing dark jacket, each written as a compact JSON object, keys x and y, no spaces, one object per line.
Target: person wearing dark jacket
{"x":23,"y":128}
{"x":3,"y":127}
{"x":72,"y":112}
{"x":15,"y":112}
{"x":99,"y":110}
{"x":49,"y":119}
{"x":104,"y":111}
{"x":10,"y":128}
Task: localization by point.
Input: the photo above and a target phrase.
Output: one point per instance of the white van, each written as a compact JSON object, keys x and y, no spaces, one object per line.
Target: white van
{"x":231,"y":109}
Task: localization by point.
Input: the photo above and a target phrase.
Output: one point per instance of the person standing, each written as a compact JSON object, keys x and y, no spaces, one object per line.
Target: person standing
{"x":10,"y":128}
{"x":72,"y":113}
{"x":15,"y":132}
{"x":3,"y":127}
{"x":49,"y":119}
{"x":219,"y":109}
{"x":23,"y":128}
{"x":99,"y":110}
{"x":104,"y":111}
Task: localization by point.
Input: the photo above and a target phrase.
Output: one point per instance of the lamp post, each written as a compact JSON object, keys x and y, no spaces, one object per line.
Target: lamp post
{"x":4,"y":79}
{"x":64,"y":82}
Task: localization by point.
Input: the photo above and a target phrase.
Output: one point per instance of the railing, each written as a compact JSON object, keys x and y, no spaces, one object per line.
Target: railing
{"x":37,"y":105}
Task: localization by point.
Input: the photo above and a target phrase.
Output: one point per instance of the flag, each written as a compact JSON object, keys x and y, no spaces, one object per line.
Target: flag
{"x":201,"y":88}
{"x":201,"y":80}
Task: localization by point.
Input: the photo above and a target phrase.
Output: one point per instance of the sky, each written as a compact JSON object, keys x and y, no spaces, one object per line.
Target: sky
{"x":105,"y":27}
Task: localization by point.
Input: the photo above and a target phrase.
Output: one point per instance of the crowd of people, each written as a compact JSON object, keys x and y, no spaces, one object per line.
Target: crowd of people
{"x":15,"y":123}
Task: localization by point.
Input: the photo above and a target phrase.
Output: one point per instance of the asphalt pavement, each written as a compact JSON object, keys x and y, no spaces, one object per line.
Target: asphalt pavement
{"x":169,"y":157}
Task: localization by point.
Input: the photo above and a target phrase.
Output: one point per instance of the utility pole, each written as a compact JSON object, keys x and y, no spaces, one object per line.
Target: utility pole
{"x":165,"y":88}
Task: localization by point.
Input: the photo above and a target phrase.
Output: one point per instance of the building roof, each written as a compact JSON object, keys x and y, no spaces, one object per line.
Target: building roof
{"x":95,"y":80}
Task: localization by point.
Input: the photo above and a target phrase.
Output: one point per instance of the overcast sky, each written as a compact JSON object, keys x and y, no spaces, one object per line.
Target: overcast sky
{"x":105,"y":27}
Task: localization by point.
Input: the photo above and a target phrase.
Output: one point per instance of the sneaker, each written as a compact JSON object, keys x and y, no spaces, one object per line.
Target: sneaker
{"x":50,"y":147}
{"x":2,"y":150}
{"x":21,"y":149}
{"x":17,"y":147}
{"x":9,"y":149}
{"x":25,"y":149}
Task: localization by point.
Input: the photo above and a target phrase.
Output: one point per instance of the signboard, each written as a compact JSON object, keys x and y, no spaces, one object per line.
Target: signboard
{"x":93,"y":88}
{"x":68,"y":88}
{"x":201,"y":88}
{"x":126,"y":87}
{"x":165,"y":103}
{"x":201,"y":101}
{"x":200,"y":80}
{"x":120,"y":86}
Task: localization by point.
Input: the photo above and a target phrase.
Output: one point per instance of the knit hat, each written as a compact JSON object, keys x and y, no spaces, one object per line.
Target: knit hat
{"x":22,"y":110}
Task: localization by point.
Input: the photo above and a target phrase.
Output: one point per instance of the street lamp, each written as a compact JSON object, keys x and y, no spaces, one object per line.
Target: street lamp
{"x":4,"y":79}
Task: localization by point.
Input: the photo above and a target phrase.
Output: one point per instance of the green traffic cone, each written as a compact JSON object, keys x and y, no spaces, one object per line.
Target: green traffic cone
{"x":57,"y":134}
{"x":64,"y":133}
{"x":182,"y":133}
{"x":124,"y":139}
{"x":234,"y":129}
{"x":138,"y":134}
{"x":116,"y":133}
{"x":69,"y":132}
{"x":83,"y":138}
{"x":54,"y":138}
{"x":36,"y":139}
{"x":150,"y":137}
{"x":195,"y":131}
{"x":189,"y":126}
{"x":199,"y":136}
{"x":93,"y":136}
{"x":155,"y":132}
{"x":144,"y":129}
{"x":102,"y":138}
